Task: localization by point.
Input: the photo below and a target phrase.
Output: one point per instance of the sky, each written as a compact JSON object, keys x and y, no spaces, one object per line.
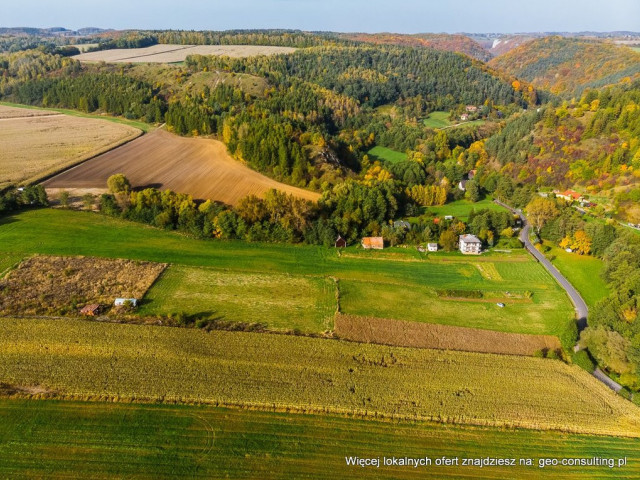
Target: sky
{"x":401,"y":16}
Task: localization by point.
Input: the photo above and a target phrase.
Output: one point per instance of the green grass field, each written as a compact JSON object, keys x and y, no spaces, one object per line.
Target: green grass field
{"x":437,"y":120}
{"x":636,"y":49}
{"x":386,"y":154}
{"x":145,"y":127}
{"x":59,"y":232}
{"x":78,"y":359}
{"x":56,"y":439}
{"x":281,"y":301}
{"x":584,"y":274}
{"x":462,"y":208}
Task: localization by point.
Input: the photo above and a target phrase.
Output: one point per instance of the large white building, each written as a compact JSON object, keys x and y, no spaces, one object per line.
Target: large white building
{"x":470,"y":244}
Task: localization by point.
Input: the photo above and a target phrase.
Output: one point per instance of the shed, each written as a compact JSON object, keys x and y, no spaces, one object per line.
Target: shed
{"x":120,"y":302}
{"x":432,"y":247}
{"x":90,"y":310}
{"x":375,"y":243}
{"x":340,"y":242}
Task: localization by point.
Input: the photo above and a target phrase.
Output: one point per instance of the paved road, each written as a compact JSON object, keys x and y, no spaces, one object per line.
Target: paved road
{"x":582,"y":310}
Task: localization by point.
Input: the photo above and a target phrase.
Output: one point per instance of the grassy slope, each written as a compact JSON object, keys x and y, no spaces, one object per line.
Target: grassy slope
{"x":462,"y":208}
{"x":77,"y":233}
{"x":84,"y":359}
{"x":383,"y":153}
{"x":584,"y":273}
{"x":104,"y":440}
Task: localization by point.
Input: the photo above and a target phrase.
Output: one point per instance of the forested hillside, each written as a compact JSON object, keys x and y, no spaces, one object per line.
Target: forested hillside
{"x":591,"y":144}
{"x":568,"y":66}
{"x":442,"y":41}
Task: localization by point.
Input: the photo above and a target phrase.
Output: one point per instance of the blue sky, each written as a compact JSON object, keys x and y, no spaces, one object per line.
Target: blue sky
{"x":405,"y":16}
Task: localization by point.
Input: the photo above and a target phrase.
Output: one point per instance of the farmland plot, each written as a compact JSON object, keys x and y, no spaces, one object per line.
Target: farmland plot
{"x":167,"y":53}
{"x":198,"y":166}
{"x":44,"y":284}
{"x":81,"y":359}
{"x":43,"y":438}
{"x":277,"y":300}
{"x":38,"y":143}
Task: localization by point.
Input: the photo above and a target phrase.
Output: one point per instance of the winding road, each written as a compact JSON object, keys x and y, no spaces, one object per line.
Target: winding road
{"x":582,"y":311}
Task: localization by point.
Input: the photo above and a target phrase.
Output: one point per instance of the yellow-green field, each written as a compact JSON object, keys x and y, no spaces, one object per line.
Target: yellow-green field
{"x":82,"y":360}
{"x":53,"y":439}
{"x":278,"y":300}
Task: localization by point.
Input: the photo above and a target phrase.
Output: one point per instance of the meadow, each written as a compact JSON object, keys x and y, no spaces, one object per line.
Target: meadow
{"x":56,"y":439}
{"x":78,"y":359}
{"x":386,"y":154}
{"x":282,"y":302}
{"x":395,"y":283}
{"x":37,"y":145}
{"x":462,"y":208}
{"x":583,"y":272}
{"x":437,"y":120}
{"x":197,"y":166}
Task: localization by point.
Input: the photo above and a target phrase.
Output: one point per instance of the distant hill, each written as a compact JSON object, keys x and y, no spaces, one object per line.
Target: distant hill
{"x":438,"y":41}
{"x":568,"y":66}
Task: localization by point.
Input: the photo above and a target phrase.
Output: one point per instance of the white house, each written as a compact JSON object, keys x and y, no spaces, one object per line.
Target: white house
{"x":432,"y":247}
{"x":470,"y":244}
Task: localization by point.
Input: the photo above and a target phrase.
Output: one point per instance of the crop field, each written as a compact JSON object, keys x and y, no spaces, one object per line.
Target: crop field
{"x":198,"y":166}
{"x":398,"y":283}
{"x":401,"y":333}
{"x":383,"y":153}
{"x":280,"y":301}
{"x":40,"y":143}
{"x":43,"y":284}
{"x":81,"y":360}
{"x":584,"y":273}
{"x":462,"y":208}
{"x":167,"y":53}
{"x":113,"y":440}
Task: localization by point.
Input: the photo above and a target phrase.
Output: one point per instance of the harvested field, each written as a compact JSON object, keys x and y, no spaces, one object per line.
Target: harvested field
{"x":43,"y":284}
{"x":441,"y":337}
{"x":93,"y":360}
{"x":198,"y":166}
{"x":167,"y":53}
{"x":8,"y":113}
{"x":38,"y":143}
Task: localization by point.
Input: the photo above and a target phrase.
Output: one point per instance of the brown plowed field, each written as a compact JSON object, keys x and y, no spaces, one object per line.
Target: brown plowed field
{"x":198,"y":166}
{"x":441,"y":337}
{"x":178,"y":53}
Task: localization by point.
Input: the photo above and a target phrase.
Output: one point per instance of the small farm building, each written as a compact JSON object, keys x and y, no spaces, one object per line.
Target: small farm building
{"x":402,"y":224}
{"x":432,"y":247}
{"x":470,"y":244}
{"x":119,"y":302}
{"x":340,"y":242}
{"x":375,"y":243}
{"x":90,"y":310}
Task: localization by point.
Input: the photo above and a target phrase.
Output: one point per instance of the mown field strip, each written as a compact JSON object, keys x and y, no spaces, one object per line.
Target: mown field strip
{"x":82,"y":359}
{"x":56,"y":439}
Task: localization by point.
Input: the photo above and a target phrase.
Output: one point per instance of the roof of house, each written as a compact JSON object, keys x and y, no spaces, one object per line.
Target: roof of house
{"x":467,"y":238}
{"x":373,"y":242}
{"x":401,"y":223}
{"x":90,"y":308}
{"x":432,"y":245}
{"x":573,"y":194}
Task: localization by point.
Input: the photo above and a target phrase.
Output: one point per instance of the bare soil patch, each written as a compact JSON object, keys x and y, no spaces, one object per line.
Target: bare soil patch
{"x":198,"y":166}
{"x":168,"y":53}
{"x":442,"y":337}
{"x":60,"y":285}
{"x":35,"y":145}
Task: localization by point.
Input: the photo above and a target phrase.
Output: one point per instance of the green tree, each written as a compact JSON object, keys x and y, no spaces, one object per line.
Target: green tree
{"x":118,"y":183}
{"x":448,"y":240}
